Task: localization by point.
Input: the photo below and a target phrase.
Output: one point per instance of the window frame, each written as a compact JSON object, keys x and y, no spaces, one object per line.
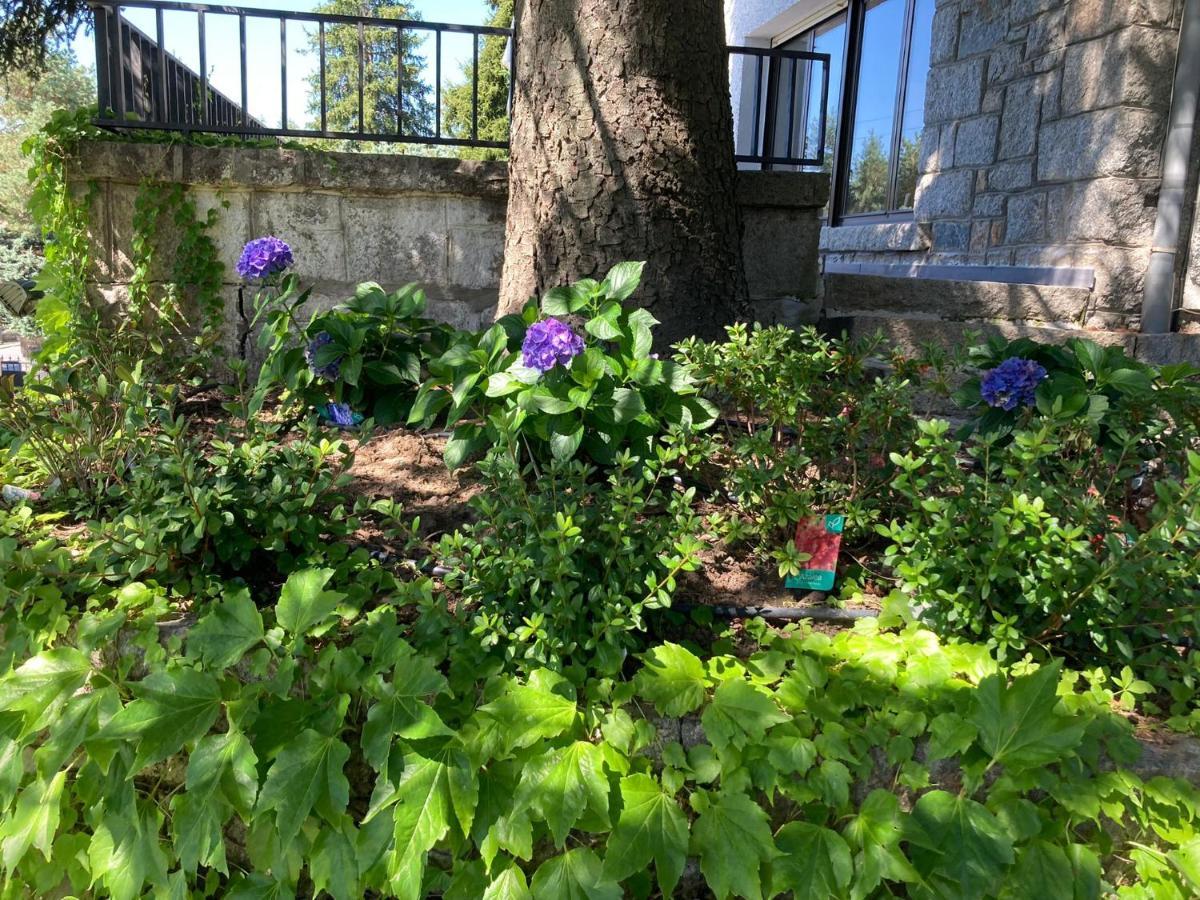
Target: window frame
{"x":855,"y":12}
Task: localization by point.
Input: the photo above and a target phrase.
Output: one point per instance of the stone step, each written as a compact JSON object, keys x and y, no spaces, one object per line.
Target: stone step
{"x":856,"y":294}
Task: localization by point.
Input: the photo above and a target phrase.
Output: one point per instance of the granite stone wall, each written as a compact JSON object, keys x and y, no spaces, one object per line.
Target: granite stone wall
{"x":354,"y":217}
{"x":1045,"y":122}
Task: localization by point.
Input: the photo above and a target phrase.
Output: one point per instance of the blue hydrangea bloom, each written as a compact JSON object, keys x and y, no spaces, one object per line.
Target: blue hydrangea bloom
{"x":341,"y":415}
{"x":331,"y":369}
{"x":264,"y":257}
{"x":1012,"y":383}
{"x":549,"y":343}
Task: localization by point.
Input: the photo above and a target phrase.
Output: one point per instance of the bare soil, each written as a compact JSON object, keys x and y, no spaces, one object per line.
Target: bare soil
{"x":407,"y":467}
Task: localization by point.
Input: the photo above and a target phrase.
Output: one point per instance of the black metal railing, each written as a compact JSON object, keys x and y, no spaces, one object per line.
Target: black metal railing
{"x":783,"y":103}
{"x":785,"y":98}
{"x":141,"y":85}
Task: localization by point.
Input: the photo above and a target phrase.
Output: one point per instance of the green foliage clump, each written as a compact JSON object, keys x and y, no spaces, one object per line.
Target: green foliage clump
{"x":614,"y":396}
{"x":813,"y":422}
{"x":564,"y":561}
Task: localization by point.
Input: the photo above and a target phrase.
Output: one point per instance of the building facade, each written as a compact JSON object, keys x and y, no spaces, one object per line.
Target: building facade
{"x":1016,"y":165}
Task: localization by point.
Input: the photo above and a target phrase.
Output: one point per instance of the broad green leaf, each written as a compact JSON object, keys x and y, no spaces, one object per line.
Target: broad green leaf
{"x":651,"y":827}
{"x":640,"y":323}
{"x":421,"y":819}
{"x":306,"y":775}
{"x":604,"y":325}
{"x":304,"y":602}
{"x":125,"y":853}
{"x":562,"y":783}
{"x":196,"y":827}
{"x":333,"y":865}
{"x":173,"y":708}
{"x":740,"y":712}
{"x":526,"y":713}
{"x":815,"y":862}
{"x":565,"y":299}
{"x":77,"y":721}
{"x":226,"y":631}
{"x":1186,"y":860}
{"x":672,"y":678}
{"x":1019,"y":724}
{"x":42,"y":684}
{"x":224,"y":764}
{"x":508,"y":885}
{"x":627,"y":405}
{"x":1042,"y":871}
{"x":257,"y":886}
{"x":622,"y":280}
{"x":404,"y":712}
{"x":566,"y":434}
{"x":574,"y":875}
{"x":973,"y":850}
{"x":33,"y":822}
{"x":732,"y":837}
{"x":875,"y":834}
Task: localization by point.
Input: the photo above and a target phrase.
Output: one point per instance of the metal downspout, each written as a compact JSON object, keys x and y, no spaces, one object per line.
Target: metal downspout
{"x":1158,"y":300}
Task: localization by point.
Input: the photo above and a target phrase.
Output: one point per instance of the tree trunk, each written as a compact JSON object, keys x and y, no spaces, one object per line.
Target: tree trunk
{"x":622,"y":149}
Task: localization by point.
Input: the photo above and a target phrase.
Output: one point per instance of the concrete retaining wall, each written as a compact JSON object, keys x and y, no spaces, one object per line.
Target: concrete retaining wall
{"x":353,"y":217}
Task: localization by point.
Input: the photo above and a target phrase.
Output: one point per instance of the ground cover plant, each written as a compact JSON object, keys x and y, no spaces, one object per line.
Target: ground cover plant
{"x":228,"y":672}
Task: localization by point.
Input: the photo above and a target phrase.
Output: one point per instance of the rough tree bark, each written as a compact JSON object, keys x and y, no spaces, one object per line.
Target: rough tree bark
{"x":622,"y":148}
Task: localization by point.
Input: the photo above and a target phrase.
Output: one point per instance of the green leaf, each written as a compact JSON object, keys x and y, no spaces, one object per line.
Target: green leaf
{"x":333,"y":865}
{"x":42,"y":684}
{"x":546,"y":402}
{"x":1019,"y":725}
{"x":627,"y":405}
{"x":562,"y":783}
{"x":740,"y":712}
{"x":125,"y":852}
{"x":1042,"y":871}
{"x":196,"y":829}
{"x":733,"y":839}
{"x":973,"y":851}
{"x":466,"y":441}
{"x":875,"y":833}
{"x":1186,"y":860}
{"x":172,"y":708}
{"x":404,"y":712}
{"x":672,"y":679}
{"x":226,"y":631}
{"x":604,"y":325}
{"x":306,"y":775}
{"x":224,"y":763}
{"x":304,"y":602}
{"x":33,"y":822}
{"x":815,"y":862}
{"x":640,"y":323}
{"x":651,"y":827}
{"x":508,"y":885}
{"x":574,"y":875}
{"x":525,"y":714}
{"x":421,"y":819}
{"x":564,"y":300}
{"x":566,"y":434}
{"x":622,"y":280}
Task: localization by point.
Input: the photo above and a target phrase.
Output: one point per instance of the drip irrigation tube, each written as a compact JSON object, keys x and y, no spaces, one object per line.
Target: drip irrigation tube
{"x":785,"y":613}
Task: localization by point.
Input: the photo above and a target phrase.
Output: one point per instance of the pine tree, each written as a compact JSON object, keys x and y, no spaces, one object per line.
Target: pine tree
{"x":869,"y":178}
{"x":493,"y":86}
{"x":382,"y":113}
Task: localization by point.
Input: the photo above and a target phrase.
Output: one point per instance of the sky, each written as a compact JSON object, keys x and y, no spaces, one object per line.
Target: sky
{"x":263,"y":56}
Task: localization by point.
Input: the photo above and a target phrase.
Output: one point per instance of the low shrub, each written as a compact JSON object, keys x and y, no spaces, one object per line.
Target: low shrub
{"x":564,"y":560}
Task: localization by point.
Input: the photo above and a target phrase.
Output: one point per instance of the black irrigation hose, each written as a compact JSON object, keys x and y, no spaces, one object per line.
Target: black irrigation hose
{"x":784,"y":613}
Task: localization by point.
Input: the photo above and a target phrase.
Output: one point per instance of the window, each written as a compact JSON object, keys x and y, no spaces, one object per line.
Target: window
{"x":884,"y":122}
{"x":879,"y":59}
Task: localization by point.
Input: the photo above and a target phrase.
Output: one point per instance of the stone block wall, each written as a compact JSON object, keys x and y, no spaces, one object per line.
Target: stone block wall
{"x":354,"y":217}
{"x":1045,"y":121}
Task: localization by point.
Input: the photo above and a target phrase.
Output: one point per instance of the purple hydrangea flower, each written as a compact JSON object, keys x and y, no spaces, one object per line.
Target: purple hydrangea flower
{"x":549,"y":343}
{"x":264,"y":257}
{"x":341,"y":415}
{"x":1012,"y":383}
{"x":331,"y":369}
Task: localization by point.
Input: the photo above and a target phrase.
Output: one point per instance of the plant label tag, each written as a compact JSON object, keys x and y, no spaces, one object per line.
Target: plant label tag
{"x":821,"y":538}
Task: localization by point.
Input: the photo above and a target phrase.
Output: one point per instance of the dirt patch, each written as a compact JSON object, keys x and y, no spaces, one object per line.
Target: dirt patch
{"x":407,"y":467}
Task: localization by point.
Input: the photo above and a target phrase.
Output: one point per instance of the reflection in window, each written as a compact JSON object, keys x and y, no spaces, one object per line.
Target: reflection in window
{"x":913,"y":117}
{"x":875,"y":107}
{"x":803,"y":82}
